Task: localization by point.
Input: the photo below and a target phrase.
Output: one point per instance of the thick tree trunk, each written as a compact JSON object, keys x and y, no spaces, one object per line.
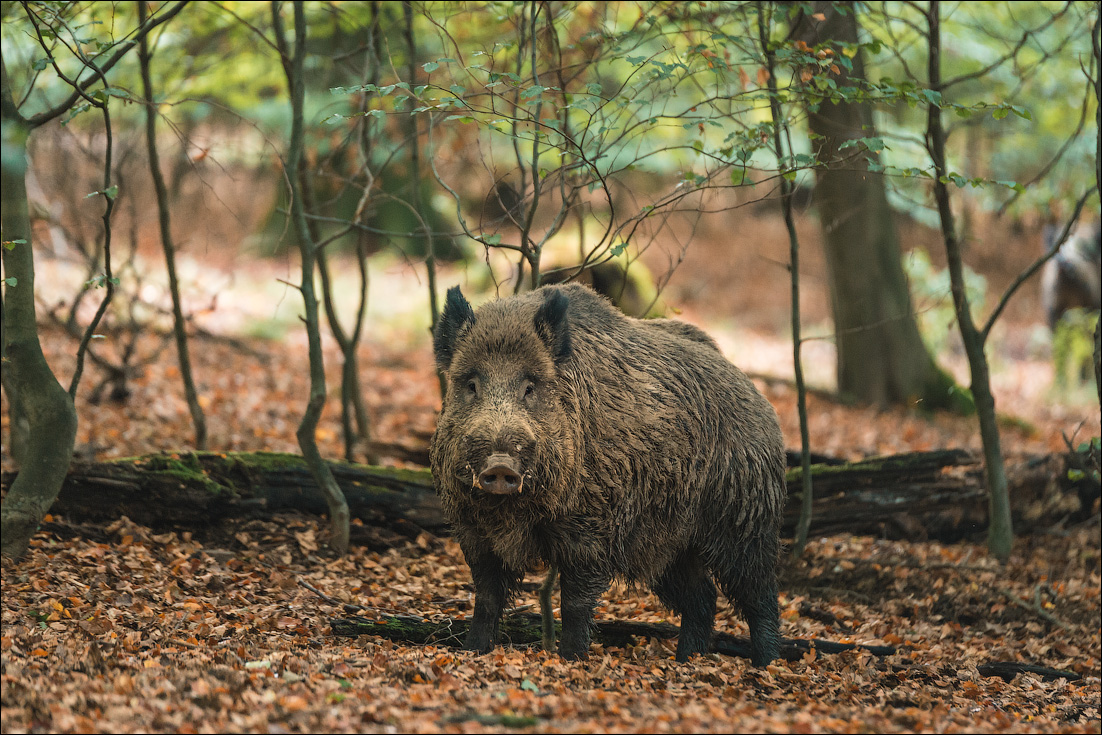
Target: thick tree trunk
{"x":936,"y":495}
{"x":41,"y":406}
{"x":881,"y":356}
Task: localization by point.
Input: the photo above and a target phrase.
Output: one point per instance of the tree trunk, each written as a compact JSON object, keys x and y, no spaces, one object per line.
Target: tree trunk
{"x":41,"y":406}
{"x":1096,"y":51}
{"x":179,"y":327}
{"x":338,"y":506}
{"x":1000,"y":536}
{"x":881,"y":357}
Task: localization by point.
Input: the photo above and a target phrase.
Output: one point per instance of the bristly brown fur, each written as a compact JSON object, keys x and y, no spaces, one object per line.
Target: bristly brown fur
{"x":646,"y":455}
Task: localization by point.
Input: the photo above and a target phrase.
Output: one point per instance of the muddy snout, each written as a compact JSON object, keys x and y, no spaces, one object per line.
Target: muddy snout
{"x":500,"y":475}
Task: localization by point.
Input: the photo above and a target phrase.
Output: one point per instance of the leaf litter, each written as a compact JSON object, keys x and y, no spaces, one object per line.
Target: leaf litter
{"x":117,"y":628}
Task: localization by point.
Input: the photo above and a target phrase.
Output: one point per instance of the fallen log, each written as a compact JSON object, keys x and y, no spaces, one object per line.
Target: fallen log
{"x":525,"y":629}
{"x":191,"y":490}
{"x":923,"y":495}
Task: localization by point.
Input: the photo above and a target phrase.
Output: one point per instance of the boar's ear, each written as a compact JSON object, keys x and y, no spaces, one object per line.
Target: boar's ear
{"x":552,"y":325}
{"x":456,"y":319}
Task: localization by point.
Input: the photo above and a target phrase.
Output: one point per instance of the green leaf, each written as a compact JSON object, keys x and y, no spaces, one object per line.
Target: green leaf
{"x":1012,"y":185}
{"x":494,"y":239}
{"x":430,"y":66}
{"x":738,"y":176}
{"x":41,"y":64}
{"x":10,"y":244}
{"x":528,"y":686}
{"x":1000,"y":112}
{"x":111,"y":192}
{"x":617,"y":249}
{"x":13,"y":281}
{"x":931,"y":96}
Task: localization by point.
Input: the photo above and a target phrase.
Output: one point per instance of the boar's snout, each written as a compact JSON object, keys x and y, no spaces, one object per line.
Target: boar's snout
{"x":500,"y":475}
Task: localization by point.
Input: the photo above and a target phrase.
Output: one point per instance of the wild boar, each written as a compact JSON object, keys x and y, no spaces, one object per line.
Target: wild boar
{"x":608,"y":447}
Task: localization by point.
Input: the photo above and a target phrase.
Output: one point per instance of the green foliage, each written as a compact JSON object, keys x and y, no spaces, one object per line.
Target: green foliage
{"x":1015,"y":90}
{"x":1073,"y":349}
{"x":933,"y":299}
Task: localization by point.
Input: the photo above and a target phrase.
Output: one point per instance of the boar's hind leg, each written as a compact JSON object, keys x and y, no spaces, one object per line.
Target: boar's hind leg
{"x":749,"y":580}
{"x":494,"y":586}
{"x":686,"y":588}
{"x":580,"y":589}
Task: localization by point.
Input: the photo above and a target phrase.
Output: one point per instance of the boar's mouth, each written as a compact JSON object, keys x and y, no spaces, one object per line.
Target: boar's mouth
{"x":500,"y":475}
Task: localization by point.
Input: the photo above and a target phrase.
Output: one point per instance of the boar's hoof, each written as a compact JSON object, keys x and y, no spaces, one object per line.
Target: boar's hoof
{"x":500,"y":476}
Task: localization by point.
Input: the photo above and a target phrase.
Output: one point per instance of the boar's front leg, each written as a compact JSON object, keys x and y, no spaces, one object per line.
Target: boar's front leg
{"x":580,"y":589}
{"x":494,"y":586}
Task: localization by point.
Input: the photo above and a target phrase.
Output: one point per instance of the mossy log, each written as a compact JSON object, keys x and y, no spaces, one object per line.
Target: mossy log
{"x":194,"y":489}
{"x":526,"y":629}
{"x":937,"y":495}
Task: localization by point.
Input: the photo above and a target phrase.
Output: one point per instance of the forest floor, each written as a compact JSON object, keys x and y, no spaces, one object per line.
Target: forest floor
{"x":118,"y":628}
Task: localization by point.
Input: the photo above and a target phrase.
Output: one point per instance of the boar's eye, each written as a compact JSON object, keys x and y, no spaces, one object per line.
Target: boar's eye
{"x":471,"y":387}
{"x":529,"y":390}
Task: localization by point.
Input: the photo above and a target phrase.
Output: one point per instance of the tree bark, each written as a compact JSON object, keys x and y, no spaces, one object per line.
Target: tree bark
{"x":43,"y":414}
{"x":1096,"y":51}
{"x":179,"y":327}
{"x":1001,"y":531}
{"x":881,"y":357}
{"x":330,"y":490}
{"x":781,"y":132}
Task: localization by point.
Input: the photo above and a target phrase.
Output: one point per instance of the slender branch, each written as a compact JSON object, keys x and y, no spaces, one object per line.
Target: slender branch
{"x":979,"y":73}
{"x":1037,"y":264}
{"x":80,"y":87}
{"x":109,"y":277}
